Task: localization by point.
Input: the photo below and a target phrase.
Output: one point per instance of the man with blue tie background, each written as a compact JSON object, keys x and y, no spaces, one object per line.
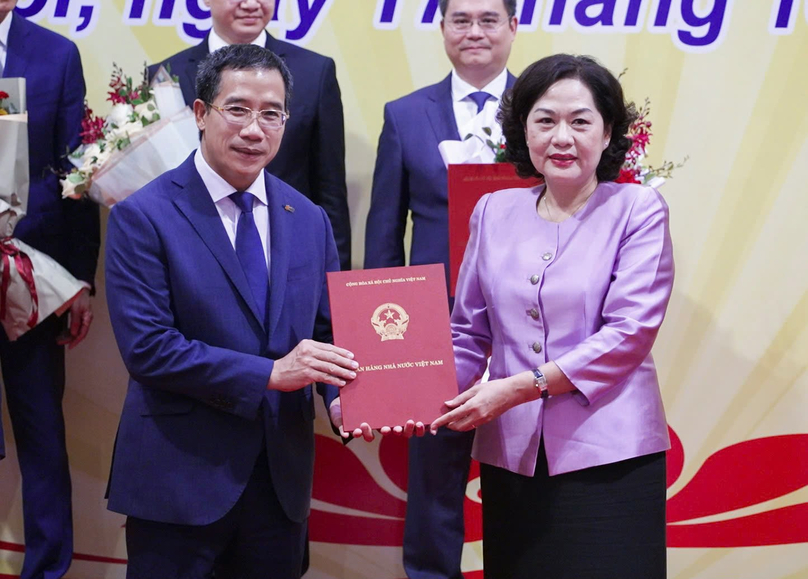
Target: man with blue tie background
{"x":33,"y":367}
{"x":410,"y":177}
{"x":312,"y":155}
{"x":216,"y":285}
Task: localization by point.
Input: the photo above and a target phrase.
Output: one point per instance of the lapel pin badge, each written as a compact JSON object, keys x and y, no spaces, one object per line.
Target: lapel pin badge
{"x":289,"y":208}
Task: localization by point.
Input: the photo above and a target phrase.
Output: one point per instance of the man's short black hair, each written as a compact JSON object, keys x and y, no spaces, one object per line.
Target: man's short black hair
{"x":238,"y":57}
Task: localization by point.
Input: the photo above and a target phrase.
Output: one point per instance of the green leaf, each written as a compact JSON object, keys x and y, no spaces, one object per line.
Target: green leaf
{"x":75,"y":177}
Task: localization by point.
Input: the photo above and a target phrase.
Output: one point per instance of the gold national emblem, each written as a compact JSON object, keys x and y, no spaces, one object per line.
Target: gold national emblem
{"x":390,"y":321}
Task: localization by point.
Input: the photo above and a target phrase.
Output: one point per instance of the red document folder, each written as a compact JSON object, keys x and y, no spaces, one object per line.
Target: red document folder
{"x":467,"y":183}
{"x":396,"y":322}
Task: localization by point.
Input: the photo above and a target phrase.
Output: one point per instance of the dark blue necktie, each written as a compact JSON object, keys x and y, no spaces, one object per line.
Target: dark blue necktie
{"x":479,"y":99}
{"x":250,"y":250}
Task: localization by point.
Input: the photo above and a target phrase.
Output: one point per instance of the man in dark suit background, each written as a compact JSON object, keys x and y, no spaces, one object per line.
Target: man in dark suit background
{"x":312,"y":155}
{"x":216,"y":285}
{"x":410,"y":177}
{"x":33,"y":367}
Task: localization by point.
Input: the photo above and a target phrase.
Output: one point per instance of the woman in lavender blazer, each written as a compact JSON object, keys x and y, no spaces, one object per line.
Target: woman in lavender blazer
{"x":565,"y":286}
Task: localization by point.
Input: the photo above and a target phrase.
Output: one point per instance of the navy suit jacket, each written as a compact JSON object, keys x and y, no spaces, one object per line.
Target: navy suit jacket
{"x":312,"y":154}
{"x":66,"y":229}
{"x":197,"y":409}
{"x":410,"y":176}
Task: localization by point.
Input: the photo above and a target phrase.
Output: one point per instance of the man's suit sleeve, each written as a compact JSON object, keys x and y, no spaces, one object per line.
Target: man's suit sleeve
{"x":327,"y":168}
{"x":389,"y":201}
{"x":81,"y":216}
{"x":154,"y":351}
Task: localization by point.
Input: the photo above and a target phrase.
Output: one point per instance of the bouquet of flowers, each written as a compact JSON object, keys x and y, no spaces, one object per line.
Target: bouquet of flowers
{"x":32,"y":285}
{"x":147,"y":131}
{"x":633,"y":169}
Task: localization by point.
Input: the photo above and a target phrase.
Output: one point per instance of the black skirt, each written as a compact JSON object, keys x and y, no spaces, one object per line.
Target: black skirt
{"x":604,"y":522}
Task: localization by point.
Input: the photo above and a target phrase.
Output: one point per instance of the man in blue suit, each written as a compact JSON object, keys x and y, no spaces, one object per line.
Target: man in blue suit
{"x":312,"y":155}
{"x":216,"y":284}
{"x":410,"y":177}
{"x":33,"y":366}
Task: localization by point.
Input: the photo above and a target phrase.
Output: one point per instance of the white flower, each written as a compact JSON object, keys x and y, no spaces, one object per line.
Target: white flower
{"x":120,"y":114}
{"x":69,"y":189}
{"x":125,"y":131}
{"x":102,"y":157}
{"x":75,"y":184}
{"x":148,"y":111}
{"x":90,"y":152}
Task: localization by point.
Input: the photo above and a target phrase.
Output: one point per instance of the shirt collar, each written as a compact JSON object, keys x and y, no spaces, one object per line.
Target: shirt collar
{"x":461,"y":89}
{"x":218,"y":188}
{"x":5,"y":26}
{"x":215,"y":42}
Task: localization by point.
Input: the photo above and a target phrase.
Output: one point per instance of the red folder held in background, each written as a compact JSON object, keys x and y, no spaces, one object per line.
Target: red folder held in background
{"x":467,"y":183}
{"x":396,"y":322}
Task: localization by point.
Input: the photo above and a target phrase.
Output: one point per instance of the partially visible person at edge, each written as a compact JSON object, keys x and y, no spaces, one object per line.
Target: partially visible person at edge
{"x":565,"y":286}
{"x":312,"y":155}
{"x":33,"y":366}
{"x":411,"y":178}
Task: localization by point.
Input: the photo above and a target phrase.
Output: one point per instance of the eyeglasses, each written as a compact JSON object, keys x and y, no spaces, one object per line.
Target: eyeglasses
{"x":243,"y":116}
{"x":486,"y":23}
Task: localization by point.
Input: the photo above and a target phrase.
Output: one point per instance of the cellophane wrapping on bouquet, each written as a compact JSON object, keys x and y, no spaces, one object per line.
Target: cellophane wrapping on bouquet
{"x":32,"y":284}
{"x":159,"y":147}
{"x":148,"y":131}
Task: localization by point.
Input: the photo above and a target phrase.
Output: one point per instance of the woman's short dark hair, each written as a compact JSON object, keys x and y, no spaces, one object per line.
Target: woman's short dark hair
{"x":537,"y":79}
{"x":238,"y":57}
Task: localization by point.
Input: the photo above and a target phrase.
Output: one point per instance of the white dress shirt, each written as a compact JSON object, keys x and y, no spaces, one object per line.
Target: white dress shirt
{"x":215,"y":42}
{"x":229,"y":212}
{"x":465,"y":109}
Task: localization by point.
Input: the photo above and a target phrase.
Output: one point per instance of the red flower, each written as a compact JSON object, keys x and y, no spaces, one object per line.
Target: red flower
{"x":114,"y":96}
{"x":628,"y":176}
{"x":3,"y":95}
{"x":91,"y":127}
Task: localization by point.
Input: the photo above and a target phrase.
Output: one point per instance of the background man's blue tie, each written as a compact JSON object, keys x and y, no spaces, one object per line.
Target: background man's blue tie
{"x":479,"y":99}
{"x":250,"y":250}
